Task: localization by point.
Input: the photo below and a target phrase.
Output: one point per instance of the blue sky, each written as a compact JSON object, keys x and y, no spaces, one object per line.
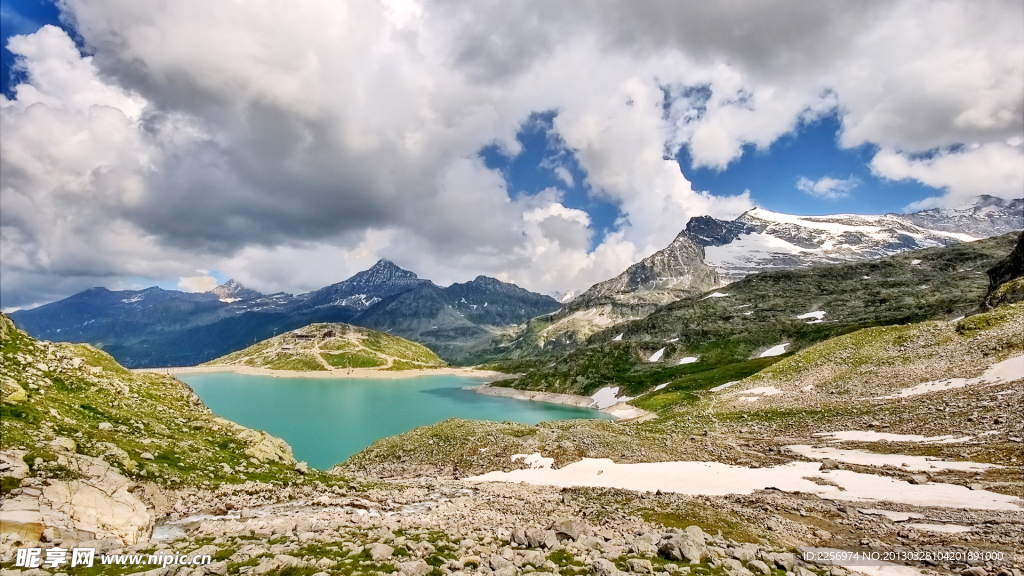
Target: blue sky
{"x":21,"y":17}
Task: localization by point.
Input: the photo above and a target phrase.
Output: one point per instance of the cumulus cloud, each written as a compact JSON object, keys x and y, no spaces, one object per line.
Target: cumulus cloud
{"x":996,"y":169}
{"x":202,"y":283}
{"x":290,"y":146}
{"x":827,"y":187}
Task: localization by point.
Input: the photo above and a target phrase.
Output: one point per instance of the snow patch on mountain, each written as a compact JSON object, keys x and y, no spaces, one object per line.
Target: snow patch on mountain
{"x":761,"y":240}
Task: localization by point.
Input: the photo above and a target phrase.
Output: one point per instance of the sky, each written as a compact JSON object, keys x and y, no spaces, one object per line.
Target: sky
{"x":291,"y":145}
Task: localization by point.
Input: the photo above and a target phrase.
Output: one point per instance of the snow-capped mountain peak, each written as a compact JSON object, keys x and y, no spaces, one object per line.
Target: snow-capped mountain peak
{"x":761,"y":240}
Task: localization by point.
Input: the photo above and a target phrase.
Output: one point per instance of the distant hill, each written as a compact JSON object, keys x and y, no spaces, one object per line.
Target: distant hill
{"x":155,"y":327}
{"x":333,"y":346}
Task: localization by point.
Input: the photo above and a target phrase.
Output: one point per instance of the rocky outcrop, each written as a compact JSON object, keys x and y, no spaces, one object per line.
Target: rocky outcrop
{"x":675,"y":272}
{"x":266,"y":448}
{"x":1006,"y":279}
{"x":97,"y":504}
{"x":760,"y":240}
{"x":669,"y":274}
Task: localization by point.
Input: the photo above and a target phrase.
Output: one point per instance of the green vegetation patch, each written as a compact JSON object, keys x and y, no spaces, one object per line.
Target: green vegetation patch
{"x":285,"y":361}
{"x":353,"y":359}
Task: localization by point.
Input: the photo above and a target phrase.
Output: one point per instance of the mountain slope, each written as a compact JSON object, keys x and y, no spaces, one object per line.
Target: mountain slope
{"x":669,"y":274}
{"x":459,"y":321}
{"x":366,"y":288}
{"x":62,"y":401}
{"x":330,"y":346}
{"x":747,"y":325}
{"x":233,"y":291}
{"x":761,"y":240}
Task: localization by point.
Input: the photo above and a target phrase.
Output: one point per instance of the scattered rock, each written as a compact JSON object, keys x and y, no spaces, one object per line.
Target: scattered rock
{"x":380,"y":551}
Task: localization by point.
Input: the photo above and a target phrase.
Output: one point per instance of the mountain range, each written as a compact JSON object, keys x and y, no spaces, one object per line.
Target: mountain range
{"x":485,"y":318}
{"x":156,"y":327}
{"x":761,"y":240}
{"x":710,"y":253}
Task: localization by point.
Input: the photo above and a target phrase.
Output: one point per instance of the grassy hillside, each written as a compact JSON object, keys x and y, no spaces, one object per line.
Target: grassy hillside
{"x":728,"y":329}
{"x":61,"y":397}
{"x":333,"y":346}
{"x":848,"y":374}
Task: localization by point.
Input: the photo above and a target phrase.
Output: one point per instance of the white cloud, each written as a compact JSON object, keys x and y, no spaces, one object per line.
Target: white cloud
{"x":995,"y":169}
{"x":563,"y":174}
{"x":290,"y":146}
{"x":827,"y":187}
{"x":197,"y":283}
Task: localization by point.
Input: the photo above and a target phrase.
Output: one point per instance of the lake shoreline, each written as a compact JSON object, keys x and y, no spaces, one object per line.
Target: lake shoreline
{"x":621,"y":412}
{"x":355,"y":373}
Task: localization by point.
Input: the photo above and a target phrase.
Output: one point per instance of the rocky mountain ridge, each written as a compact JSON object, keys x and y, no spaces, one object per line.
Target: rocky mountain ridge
{"x":760,"y":240}
{"x":156,"y":327}
{"x":674,"y":272}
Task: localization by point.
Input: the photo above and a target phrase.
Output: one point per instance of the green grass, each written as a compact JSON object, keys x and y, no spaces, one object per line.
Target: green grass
{"x":353,"y":360}
{"x":285,"y":361}
{"x":688,"y":388}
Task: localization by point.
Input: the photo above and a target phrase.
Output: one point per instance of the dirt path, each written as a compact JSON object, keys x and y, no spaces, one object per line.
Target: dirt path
{"x":316,"y":353}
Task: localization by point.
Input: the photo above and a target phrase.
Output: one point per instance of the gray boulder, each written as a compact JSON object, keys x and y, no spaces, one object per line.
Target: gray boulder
{"x":380,"y":551}
{"x":604,"y":567}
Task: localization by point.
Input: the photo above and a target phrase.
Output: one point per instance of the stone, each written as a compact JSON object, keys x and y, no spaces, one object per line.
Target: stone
{"x":146,"y":456}
{"x":643,"y":547}
{"x":63,"y":443}
{"x":570,"y":528}
{"x":506,"y":571}
{"x":380,"y":551}
{"x":686,"y":546}
{"x":277,"y":563}
{"x":97,"y":501}
{"x":828,"y":464}
{"x":497,"y":562}
{"x":519,"y":536}
{"x":640,"y":566}
{"x":11,"y":464}
{"x":785,"y":560}
{"x":302,"y":468}
{"x":266,"y":448}
{"x":414,"y":568}
{"x":534,"y":558}
{"x":604,"y":567}
{"x":216,"y":568}
{"x":744,"y":553}
{"x":105,"y":426}
{"x":734,"y":567}
{"x":46,"y":535}
{"x":919,"y":479}
{"x":759,"y":567}
{"x":975,"y":571}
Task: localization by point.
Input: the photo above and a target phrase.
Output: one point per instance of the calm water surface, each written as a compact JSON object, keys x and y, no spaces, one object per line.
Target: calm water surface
{"x":328,"y":420}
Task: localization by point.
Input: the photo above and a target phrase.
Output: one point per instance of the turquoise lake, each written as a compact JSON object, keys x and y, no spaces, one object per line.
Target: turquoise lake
{"x":328,"y":420}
